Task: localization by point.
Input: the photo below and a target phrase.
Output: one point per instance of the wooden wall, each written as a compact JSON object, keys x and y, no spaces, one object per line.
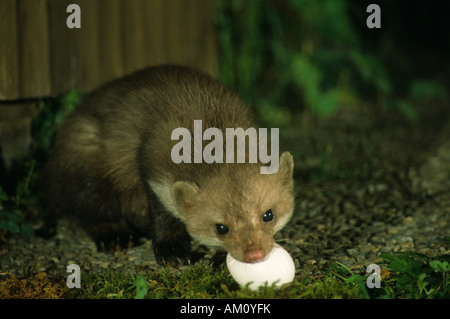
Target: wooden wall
{"x":40,"y":56}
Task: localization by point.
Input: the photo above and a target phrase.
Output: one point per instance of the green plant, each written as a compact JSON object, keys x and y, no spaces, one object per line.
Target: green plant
{"x":418,"y":276}
{"x":423,"y":89}
{"x":22,"y":197}
{"x":53,"y":112}
{"x":11,"y":219}
{"x":317,"y":56}
{"x":405,"y":275}
{"x":141,"y":287}
{"x":350,"y":279}
{"x":301,"y":53}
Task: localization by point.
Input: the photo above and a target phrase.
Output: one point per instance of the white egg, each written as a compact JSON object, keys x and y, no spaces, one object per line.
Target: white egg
{"x":277,"y":267}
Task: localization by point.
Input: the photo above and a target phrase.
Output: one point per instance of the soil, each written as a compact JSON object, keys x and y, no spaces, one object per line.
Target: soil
{"x":367,"y":181}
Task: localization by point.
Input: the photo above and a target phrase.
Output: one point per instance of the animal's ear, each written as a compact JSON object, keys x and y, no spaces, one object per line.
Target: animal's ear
{"x":184,"y":195}
{"x":286,"y":168}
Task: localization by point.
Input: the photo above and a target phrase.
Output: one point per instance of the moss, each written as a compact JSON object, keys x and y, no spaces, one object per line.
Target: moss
{"x":199,"y":282}
{"x":38,"y":286}
{"x":326,"y":288}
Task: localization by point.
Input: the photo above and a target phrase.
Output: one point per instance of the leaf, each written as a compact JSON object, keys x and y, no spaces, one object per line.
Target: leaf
{"x":3,"y":196}
{"x":141,"y":287}
{"x":422,"y":285}
{"x":406,"y":109}
{"x":426,"y":90}
{"x":14,"y":223}
{"x":12,"y":226}
{"x":307,"y":76}
{"x":11,"y":216}
{"x":371,"y":70}
{"x":440,"y":266}
{"x":26,"y":229}
{"x":328,"y":103}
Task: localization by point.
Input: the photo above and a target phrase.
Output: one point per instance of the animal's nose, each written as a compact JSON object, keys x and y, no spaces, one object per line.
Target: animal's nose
{"x":254,"y":255}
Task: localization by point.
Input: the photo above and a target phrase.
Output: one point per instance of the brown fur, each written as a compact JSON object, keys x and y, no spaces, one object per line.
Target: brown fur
{"x":111,"y":170}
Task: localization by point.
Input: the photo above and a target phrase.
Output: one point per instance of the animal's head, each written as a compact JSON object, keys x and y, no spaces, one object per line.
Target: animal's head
{"x":239,"y":210}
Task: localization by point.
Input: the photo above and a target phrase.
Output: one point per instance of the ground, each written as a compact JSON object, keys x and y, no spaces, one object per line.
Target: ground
{"x":367,"y":181}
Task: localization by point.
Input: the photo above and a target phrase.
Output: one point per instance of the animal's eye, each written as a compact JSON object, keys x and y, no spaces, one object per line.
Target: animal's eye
{"x":222,"y":229}
{"x":268,"y":216}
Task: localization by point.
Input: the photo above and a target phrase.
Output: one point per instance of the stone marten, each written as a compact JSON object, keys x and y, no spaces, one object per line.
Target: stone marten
{"x":110,"y":169}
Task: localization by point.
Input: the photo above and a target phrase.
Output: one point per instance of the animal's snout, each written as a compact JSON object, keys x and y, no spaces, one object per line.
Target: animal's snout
{"x":254,"y":255}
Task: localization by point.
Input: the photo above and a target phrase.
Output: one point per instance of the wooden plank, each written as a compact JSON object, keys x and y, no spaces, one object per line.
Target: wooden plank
{"x":40,"y":56}
{"x":13,"y":110}
{"x":199,"y":40}
{"x":133,"y":35}
{"x":192,"y":18}
{"x":174,"y":17}
{"x":87,"y":47}
{"x":9,"y":67}
{"x":205,"y":38}
{"x":155,"y":33}
{"x":15,"y":129}
{"x":63,"y":57}
{"x":110,"y":39}
{"x":190,"y":35}
{"x":33,"y":49}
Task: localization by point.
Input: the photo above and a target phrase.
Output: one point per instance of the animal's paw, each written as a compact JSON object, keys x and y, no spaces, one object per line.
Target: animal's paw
{"x":173,"y":253}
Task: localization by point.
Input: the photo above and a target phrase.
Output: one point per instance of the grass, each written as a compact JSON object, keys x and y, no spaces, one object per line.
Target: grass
{"x":403,"y":276}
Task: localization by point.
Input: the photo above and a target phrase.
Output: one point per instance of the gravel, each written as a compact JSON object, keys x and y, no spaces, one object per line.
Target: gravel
{"x":401,"y":202}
